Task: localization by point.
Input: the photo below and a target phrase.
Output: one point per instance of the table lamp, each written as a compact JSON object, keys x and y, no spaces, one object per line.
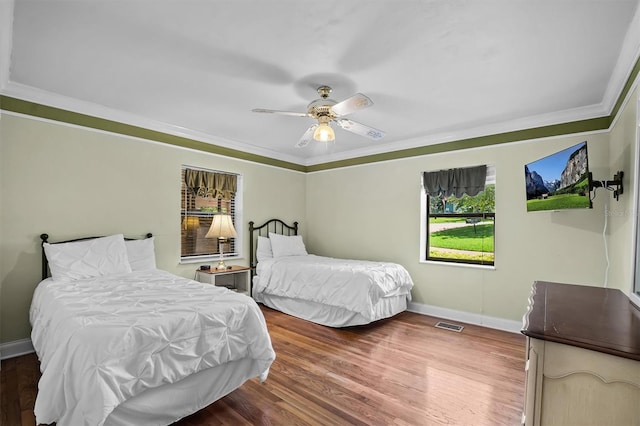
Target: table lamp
{"x":221,"y":228}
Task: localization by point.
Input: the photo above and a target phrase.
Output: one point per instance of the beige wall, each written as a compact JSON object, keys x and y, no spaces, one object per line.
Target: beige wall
{"x":71,"y":182}
{"x":373,"y":212}
{"x":622,"y":153}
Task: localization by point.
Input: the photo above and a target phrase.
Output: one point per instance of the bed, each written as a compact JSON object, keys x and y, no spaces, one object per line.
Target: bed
{"x":121,"y":342}
{"x":324,"y":290}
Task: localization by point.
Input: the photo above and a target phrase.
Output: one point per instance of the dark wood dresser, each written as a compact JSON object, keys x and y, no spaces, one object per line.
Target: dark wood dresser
{"x":583,"y":356}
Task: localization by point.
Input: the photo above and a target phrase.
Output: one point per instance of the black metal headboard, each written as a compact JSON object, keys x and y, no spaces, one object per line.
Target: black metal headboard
{"x":272,"y":225}
{"x":45,"y":238}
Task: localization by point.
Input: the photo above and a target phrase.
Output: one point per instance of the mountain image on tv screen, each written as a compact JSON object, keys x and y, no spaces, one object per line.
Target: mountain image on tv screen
{"x":559,"y":181}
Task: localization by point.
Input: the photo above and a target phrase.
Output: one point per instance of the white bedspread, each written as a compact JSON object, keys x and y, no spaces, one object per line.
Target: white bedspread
{"x":103,"y":340}
{"x":355,"y":285}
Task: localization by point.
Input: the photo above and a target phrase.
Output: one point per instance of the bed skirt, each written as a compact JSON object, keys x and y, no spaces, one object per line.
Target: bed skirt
{"x":333,"y":316}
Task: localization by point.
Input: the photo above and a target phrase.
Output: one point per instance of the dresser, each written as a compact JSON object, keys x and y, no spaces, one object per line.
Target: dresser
{"x":583,"y":357}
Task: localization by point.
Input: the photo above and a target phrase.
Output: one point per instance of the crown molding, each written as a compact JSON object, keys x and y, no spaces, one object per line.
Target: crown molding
{"x":50,"y":99}
{"x":579,"y":120}
{"x":544,"y":120}
{"x":576,"y":127}
{"x":108,"y":119}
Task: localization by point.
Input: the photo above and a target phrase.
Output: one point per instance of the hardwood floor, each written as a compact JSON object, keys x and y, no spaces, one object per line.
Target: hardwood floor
{"x":400,"y":371}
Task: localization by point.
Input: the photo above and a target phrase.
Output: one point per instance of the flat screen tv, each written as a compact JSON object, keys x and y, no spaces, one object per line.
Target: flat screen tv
{"x":559,"y":181}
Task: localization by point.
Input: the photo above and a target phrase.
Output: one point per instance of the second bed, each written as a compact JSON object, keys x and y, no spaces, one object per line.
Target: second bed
{"x":324,"y":290}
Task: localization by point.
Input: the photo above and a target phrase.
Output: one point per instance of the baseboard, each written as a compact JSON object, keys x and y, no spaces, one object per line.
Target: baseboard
{"x":466,"y":317}
{"x":15,"y":348}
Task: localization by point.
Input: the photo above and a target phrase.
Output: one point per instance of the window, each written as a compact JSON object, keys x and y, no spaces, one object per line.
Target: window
{"x":205,"y":193}
{"x":456,"y":226}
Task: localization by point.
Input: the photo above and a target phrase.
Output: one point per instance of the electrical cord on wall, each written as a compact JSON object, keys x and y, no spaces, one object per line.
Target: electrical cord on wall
{"x":606,"y":248}
{"x":604,"y":235}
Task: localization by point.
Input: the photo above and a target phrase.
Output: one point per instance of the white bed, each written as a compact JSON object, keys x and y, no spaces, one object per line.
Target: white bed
{"x":137,"y":345}
{"x":324,"y":290}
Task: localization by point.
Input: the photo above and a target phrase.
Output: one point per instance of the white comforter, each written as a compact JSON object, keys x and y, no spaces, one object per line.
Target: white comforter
{"x":355,"y":285}
{"x":104,"y":340}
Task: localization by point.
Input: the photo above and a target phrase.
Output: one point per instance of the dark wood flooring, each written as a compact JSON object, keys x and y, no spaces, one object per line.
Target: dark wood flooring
{"x":400,"y":371}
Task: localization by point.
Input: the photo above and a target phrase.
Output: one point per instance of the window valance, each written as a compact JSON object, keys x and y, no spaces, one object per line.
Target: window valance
{"x":210,"y":184}
{"x":456,"y":182}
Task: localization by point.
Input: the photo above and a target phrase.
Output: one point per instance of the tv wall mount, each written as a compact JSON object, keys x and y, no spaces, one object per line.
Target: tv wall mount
{"x":614,"y":185}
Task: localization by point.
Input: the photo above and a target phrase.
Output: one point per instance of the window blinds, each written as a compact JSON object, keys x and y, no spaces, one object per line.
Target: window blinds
{"x":205,"y":193}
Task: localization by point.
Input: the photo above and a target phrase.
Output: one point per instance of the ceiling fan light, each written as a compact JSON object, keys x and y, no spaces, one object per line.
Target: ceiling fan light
{"x":324,"y":133}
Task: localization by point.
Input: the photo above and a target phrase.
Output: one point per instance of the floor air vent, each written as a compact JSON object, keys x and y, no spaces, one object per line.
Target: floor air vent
{"x":449,"y":326}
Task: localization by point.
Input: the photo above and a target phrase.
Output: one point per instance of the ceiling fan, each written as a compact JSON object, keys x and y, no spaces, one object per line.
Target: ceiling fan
{"x":326,"y":110}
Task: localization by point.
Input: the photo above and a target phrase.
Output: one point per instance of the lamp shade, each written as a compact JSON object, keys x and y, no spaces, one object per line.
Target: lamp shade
{"x":221,"y":227}
{"x":324,"y":133}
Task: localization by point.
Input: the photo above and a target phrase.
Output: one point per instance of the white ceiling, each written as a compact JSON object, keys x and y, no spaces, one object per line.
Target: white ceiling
{"x":436,"y":70}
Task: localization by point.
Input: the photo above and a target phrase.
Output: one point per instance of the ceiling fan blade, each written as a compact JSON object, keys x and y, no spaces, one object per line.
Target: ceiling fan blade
{"x":274,"y":111}
{"x":360,"y":129}
{"x":307,"y":137}
{"x":352,"y":104}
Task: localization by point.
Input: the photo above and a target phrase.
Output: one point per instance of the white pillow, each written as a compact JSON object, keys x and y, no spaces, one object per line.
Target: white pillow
{"x":263,"y":251}
{"x":141,"y":254}
{"x":86,"y":259}
{"x":283,"y":245}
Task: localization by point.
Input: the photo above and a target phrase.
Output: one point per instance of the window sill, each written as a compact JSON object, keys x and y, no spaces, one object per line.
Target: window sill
{"x":201,"y":259}
{"x":460,"y":265}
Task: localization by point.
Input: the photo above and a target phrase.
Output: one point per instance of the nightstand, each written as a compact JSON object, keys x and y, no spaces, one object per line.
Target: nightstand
{"x":236,"y":278}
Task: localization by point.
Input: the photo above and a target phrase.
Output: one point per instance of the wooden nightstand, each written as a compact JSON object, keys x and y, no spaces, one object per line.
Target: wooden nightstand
{"x":236,"y":278}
